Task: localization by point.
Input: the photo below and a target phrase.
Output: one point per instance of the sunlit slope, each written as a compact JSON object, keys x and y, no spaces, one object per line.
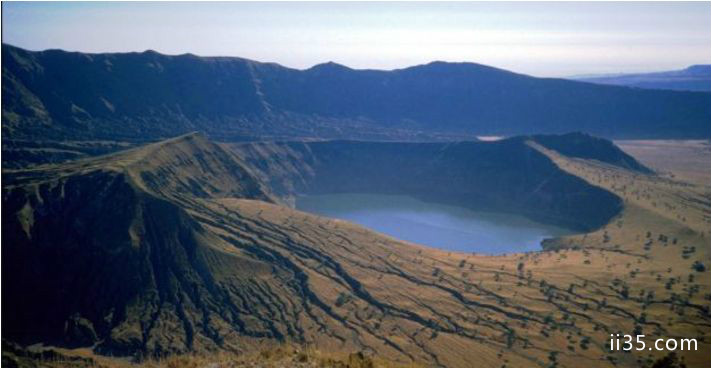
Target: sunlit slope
{"x":665,"y":225}
{"x":139,"y":253}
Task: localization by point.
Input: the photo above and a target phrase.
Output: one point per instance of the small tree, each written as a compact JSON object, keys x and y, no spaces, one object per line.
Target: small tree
{"x":698,"y":266}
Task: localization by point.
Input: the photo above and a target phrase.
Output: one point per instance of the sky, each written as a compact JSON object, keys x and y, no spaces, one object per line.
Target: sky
{"x":548,"y":39}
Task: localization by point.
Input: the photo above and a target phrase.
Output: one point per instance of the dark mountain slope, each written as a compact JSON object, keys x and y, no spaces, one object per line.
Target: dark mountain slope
{"x":140,"y":96}
{"x":588,"y":147}
{"x":108,"y":260}
{"x":107,"y":244}
{"x":693,"y":78}
{"x":507,"y":175}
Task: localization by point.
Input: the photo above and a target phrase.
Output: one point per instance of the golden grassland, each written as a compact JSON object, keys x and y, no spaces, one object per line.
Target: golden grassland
{"x":687,"y":160}
{"x":665,"y":226}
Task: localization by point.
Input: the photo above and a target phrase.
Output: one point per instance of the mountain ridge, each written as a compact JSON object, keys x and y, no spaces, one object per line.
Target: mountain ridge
{"x":139,"y":96}
{"x":187,"y":164}
{"x":692,"y":78}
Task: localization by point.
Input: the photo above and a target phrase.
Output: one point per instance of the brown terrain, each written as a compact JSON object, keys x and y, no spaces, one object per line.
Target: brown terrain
{"x":189,"y":247}
{"x":687,"y":160}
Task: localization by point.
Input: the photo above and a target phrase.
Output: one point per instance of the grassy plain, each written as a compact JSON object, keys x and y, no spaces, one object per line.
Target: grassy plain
{"x":686,"y":160}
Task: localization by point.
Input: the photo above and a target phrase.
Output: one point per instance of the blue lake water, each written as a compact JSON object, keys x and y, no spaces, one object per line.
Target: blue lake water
{"x":440,"y":226}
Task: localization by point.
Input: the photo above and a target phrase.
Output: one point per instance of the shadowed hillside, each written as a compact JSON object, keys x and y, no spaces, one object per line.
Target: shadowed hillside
{"x":504,"y":176}
{"x":104,"y":242}
{"x":584,"y":146}
{"x":137,"y":96}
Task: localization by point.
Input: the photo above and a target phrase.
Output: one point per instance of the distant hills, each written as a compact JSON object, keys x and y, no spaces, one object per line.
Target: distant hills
{"x":146,"y":96}
{"x":693,"y":78}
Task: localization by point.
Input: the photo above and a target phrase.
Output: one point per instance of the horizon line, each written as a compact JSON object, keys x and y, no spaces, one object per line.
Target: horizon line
{"x":569,"y":77}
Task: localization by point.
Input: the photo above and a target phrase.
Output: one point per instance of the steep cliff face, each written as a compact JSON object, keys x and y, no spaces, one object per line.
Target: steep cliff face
{"x":109,"y":260}
{"x":506,"y":176}
{"x":107,"y":243}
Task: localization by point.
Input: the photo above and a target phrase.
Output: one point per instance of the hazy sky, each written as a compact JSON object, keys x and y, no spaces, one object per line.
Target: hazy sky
{"x":543,"y":39}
